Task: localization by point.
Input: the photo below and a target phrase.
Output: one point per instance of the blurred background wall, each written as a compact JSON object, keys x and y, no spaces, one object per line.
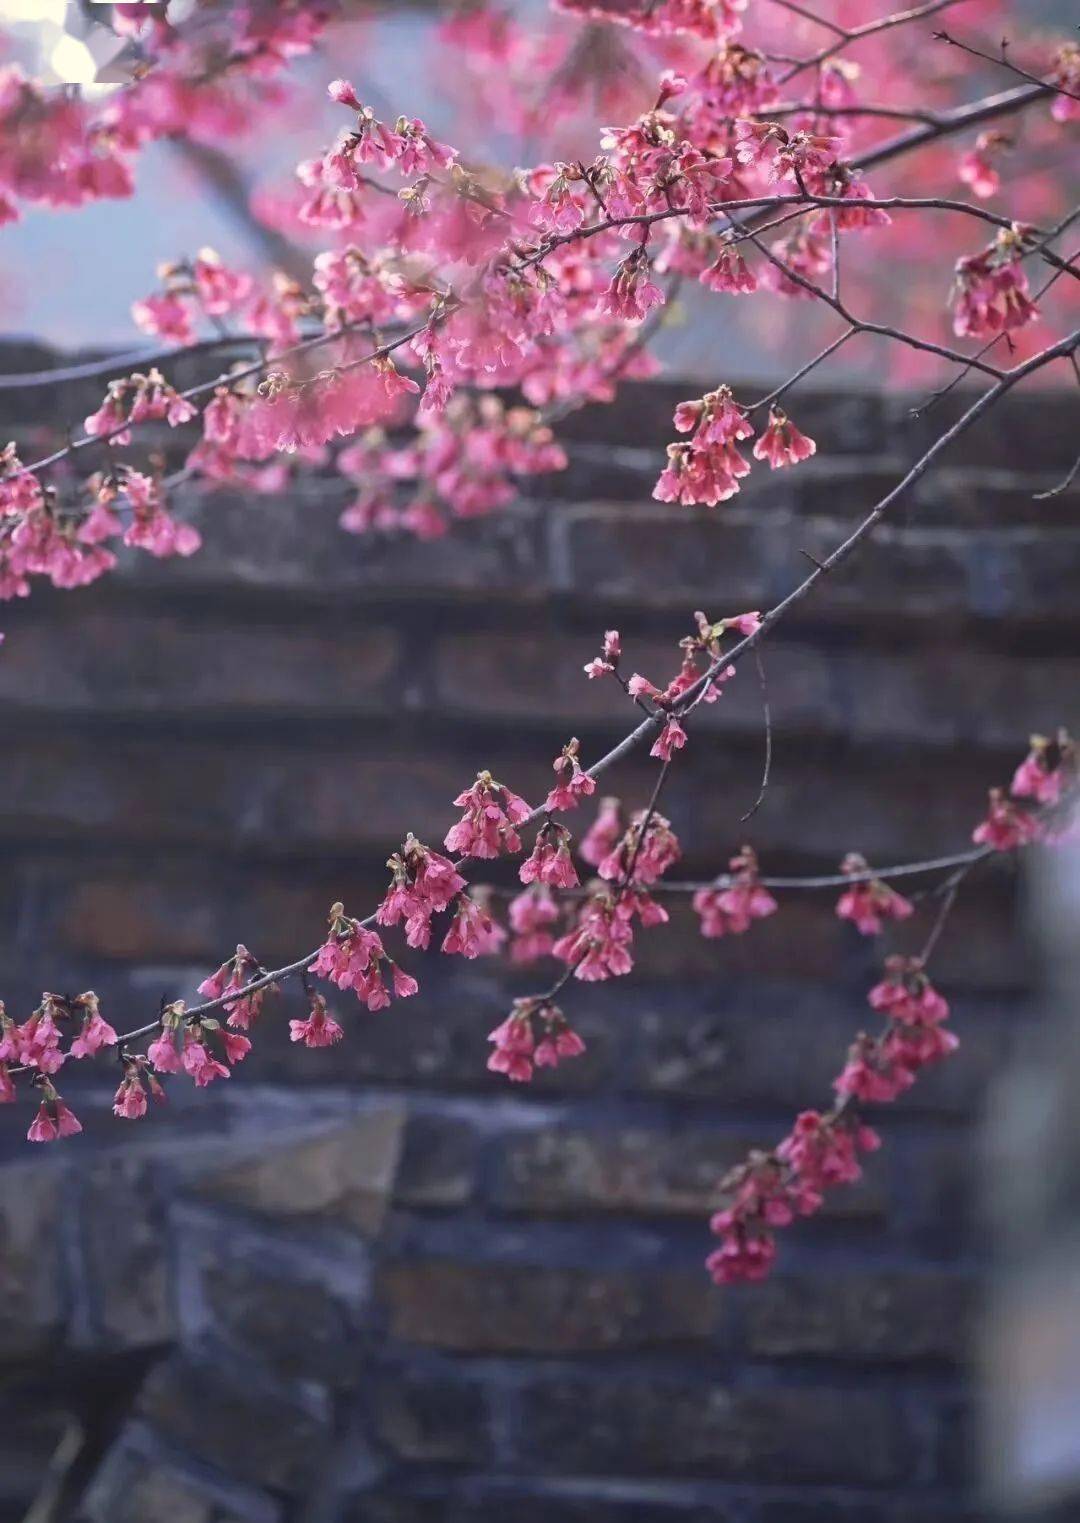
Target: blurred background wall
{"x":374,"y":1284}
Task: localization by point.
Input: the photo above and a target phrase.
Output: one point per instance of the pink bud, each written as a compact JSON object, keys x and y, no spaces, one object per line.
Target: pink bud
{"x":342,"y":91}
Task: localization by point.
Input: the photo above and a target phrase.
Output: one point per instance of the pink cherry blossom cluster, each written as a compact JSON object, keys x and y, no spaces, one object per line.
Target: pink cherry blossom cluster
{"x":487,"y":827}
{"x":534,"y":1035}
{"x":423,"y":884}
{"x":207,"y":288}
{"x":353,"y":957}
{"x":881,"y":1068}
{"x":977,"y":168}
{"x":36,"y":1045}
{"x":869,"y":903}
{"x":729,"y":911}
{"x":64,"y":535}
{"x":206,"y":79}
{"x":463,"y":463}
{"x":459,"y":310}
{"x":234,"y":978}
{"x":1065,"y":75}
{"x":709,"y":467}
{"x":186,"y":1045}
{"x":485,"y":280}
{"x":137,"y":399}
{"x":822,"y":1151}
{"x":1048,"y":776}
{"x":770,"y":1190}
{"x":991,"y":293}
{"x":708,"y":19}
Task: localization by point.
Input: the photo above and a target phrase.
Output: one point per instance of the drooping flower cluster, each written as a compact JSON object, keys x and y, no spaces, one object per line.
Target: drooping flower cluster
{"x":534,"y":1035}
{"x":531,"y":915}
{"x":423,"y":884}
{"x":770,"y":1190}
{"x":991,"y":292}
{"x":1050,"y":772}
{"x":730,"y":910}
{"x":709,"y":468}
{"x":488,"y":826}
{"x":318,"y":1028}
{"x":473,"y":931}
{"x":1048,"y":777}
{"x":43,"y":532}
{"x":572,"y":783}
{"x":53,"y":1119}
{"x":881,"y":1068}
{"x":869,"y":902}
{"x":644,"y":851}
{"x":353,"y":957}
{"x":187,"y":1045}
{"x":1065,"y":75}
{"x":206,"y":288}
{"x":37,"y":1043}
{"x":233,"y":977}
{"x":977,"y":168}
{"x":550,"y":861}
{"x":463,"y":463}
{"x":138,"y":399}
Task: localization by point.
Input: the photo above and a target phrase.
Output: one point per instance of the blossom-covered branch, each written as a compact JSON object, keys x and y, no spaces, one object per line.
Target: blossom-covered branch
{"x":457,"y":310}
{"x":480,"y":282}
{"x":426,"y":883}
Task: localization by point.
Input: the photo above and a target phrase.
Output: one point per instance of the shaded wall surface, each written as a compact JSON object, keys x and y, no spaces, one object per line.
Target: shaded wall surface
{"x":373,"y":1284}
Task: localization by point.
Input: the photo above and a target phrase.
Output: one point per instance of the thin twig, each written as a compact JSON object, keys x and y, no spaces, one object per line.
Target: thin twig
{"x":1004,"y":62}
{"x":774,"y":396}
{"x":1062,"y":486}
{"x":949,"y":889}
{"x":767,"y":716}
{"x":823,"y":21}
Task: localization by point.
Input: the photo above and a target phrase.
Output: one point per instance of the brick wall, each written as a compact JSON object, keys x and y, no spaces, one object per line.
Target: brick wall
{"x":375,"y":1285}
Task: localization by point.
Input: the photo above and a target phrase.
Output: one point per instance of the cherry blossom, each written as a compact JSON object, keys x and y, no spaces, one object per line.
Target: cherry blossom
{"x":645,"y":851}
{"x":232,"y":977}
{"x":423,"y":884}
{"x":1049,"y":769}
{"x":573,"y":784}
{"x":531,"y":914}
{"x":631,"y":295}
{"x":353,"y":957}
{"x":318,"y":1029}
{"x":731,"y":910}
{"x":868,"y":905}
{"x":54,"y":1119}
{"x":1007,"y":825}
{"x":1065,"y":74}
{"x":534,"y":1035}
{"x":906,"y":994}
{"x":782,"y":443}
{"x":976,"y":167}
{"x":130,"y":1100}
{"x":991,"y":292}
{"x":550,"y":861}
{"x":455,"y":314}
{"x":487,"y":827}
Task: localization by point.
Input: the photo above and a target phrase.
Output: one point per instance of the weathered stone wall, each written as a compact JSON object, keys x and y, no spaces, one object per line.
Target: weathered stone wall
{"x":374,"y":1284}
